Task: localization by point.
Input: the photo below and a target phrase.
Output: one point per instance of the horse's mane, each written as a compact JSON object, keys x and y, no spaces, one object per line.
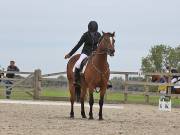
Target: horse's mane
{"x":100,"y":39}
{"x":105,"y":34}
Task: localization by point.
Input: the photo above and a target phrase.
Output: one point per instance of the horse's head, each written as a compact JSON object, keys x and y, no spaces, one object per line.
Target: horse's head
{"x":155,"y":78}
{"x":106,"y":43}
{"x":159,"y":79}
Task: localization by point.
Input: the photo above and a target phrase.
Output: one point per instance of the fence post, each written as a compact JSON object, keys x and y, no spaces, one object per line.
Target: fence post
{"x":169,"y":87}
{"x":37,"y":83}
{"x":126,"y":88}
{"x":146,"y":91}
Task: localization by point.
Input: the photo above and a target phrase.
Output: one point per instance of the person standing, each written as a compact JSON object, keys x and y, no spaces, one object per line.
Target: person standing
{"x":13,"y":68}
{"x":1,"y":72}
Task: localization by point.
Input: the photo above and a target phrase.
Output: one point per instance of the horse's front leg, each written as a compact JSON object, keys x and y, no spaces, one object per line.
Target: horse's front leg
{"x":101,"y":102}
{"x":91,"y":102}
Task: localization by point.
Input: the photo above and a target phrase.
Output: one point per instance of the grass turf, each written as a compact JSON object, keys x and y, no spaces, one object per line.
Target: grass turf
{"x":20,"y":93}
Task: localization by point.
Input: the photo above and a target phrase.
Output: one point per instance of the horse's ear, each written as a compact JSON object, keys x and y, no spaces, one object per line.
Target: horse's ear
{"x":113,"y":34}
{"x":103,"y":32}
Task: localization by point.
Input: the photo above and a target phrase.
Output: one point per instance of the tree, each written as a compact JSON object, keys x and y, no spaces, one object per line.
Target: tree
{"x":159,"y":57}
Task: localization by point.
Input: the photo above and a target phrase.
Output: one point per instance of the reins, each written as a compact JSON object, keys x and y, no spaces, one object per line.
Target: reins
{"x":105,"y":51}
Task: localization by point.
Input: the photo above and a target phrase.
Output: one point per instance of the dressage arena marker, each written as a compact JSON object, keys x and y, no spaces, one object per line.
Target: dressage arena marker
{"x":56,"y":103}
{"x":164,"y":105}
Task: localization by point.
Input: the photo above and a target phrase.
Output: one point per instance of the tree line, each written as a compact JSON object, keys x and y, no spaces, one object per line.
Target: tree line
{"x":161,"y":56}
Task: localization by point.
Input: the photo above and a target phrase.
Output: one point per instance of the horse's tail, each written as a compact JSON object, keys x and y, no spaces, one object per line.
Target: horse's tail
{"x":78,"y":93}
{"x":70,"y":75}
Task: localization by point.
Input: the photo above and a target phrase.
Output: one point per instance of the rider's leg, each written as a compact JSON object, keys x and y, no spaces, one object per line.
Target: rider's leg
{"x":77,"y":69}
{"x":8,"y":90}
{"x":76,"y":76}
{"x":109,"y":85}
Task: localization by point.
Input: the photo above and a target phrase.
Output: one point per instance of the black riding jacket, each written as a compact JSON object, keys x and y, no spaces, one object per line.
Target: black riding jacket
{"x":12,"y":68}
{"x":90,"y":43}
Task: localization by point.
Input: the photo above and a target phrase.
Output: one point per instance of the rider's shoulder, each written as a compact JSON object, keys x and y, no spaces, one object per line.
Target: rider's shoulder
{"x":86,"y":33}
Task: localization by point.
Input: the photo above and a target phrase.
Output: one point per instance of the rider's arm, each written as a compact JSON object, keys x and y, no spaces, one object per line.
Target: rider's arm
{"x":17,"y":69}
{"x":79,"y":44}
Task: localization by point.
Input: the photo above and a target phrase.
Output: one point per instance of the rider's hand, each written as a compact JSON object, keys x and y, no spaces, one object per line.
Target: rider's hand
{"x":67,"y":56}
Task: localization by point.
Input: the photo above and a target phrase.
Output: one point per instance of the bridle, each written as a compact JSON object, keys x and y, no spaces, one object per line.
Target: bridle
{"x":105,"y":50}
{"x":102,"y":51}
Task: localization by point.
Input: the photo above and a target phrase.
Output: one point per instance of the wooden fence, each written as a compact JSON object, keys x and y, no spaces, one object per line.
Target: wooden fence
{"x":38,"y":77}
{"x":35,"y":76}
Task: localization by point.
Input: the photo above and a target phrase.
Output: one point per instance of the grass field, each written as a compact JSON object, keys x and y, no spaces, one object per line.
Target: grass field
{"x":114,"y":97}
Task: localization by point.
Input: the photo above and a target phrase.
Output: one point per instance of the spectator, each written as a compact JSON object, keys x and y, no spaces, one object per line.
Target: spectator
{"x":12,"y":67}
{"x":1,"y":72}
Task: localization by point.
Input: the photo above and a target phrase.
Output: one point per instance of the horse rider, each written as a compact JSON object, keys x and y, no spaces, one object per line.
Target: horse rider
{"x":90,"y":40}
{"x":175,"y":80}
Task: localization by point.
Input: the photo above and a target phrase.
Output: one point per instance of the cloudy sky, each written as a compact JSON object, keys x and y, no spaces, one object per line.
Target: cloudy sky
{"x":38,"y":33}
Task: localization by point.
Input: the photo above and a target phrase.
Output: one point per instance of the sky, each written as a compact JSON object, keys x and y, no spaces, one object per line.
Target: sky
{"x":38,"y":33}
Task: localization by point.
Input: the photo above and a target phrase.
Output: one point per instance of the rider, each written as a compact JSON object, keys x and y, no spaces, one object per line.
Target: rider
{"x":175,"y":79}
{"x":90,"y":40}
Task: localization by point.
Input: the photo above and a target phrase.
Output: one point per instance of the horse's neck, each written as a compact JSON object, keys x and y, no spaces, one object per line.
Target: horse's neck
{"x":100,"y":60}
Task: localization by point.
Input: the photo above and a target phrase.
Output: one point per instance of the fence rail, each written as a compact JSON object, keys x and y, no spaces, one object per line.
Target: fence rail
{"x":38,"y":78}
{"x":12,"y":72}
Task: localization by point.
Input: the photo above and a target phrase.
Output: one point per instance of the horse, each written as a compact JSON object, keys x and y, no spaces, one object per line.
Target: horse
{"x":96,"y":74}
{"x":158,"y":78}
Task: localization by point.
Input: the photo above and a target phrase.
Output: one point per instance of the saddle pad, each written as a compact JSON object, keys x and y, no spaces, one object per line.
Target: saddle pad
{"x":82,"y":66}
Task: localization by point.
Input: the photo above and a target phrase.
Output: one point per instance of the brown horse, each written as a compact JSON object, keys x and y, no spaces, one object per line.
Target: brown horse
{"x":95,"y":75}
{"x":158,"y":78}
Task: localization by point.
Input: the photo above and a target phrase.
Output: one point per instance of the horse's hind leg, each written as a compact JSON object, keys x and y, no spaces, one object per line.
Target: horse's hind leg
{"x":91,"y":102}
{"x":82,"y":98}
{"x":72,"y":98}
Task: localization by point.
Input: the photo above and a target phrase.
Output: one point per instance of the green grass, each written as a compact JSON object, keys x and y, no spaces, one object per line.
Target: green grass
{"x":19,"y":93}
{"x":55,"y":92}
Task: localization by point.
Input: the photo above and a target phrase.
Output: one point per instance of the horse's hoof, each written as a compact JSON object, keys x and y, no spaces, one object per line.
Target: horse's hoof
{"x":72,"y":117}
{"x":84,"y":117}
{"x":83,"y":114}
{"x":91,"y":118}
{"x":101,"y":118}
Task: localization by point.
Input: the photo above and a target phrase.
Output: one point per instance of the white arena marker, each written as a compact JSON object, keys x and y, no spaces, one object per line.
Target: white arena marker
{"x":58,"y":103}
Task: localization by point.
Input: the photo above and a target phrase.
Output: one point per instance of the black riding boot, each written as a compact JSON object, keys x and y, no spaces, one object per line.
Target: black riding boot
{"x":109,"y":85}
{"x":77,"y":77}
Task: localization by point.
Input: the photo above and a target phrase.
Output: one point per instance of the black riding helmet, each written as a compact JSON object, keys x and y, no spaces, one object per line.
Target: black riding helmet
{"x":92,"y":26}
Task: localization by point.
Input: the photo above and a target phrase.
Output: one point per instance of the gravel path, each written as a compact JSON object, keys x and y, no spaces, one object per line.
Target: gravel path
{"x":52,"y":118}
